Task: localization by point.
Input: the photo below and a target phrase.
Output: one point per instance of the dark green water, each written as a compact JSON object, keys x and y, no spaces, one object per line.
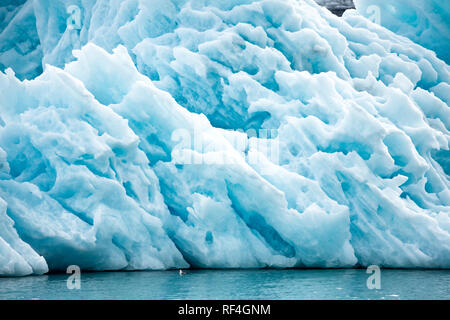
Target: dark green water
{"x":233,"y":284}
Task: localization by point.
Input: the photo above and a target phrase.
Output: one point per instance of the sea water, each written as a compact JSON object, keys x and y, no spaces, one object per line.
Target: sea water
{"x":233,"y":284}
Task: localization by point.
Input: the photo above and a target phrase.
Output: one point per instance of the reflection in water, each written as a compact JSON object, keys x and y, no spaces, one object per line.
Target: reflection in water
{"x":233,"y":284}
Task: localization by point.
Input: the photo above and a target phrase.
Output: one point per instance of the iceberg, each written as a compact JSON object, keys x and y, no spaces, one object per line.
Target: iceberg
{"x":152,"y":135}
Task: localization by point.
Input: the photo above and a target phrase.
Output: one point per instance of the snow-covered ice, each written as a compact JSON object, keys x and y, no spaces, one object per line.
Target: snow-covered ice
{"x":218,"y":134}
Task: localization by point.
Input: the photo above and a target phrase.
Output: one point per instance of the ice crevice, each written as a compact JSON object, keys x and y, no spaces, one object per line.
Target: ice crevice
{"x":212,"y":134}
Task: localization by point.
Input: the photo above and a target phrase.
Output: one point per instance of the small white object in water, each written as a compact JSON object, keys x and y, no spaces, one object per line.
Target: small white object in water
{"x":182,"y":272}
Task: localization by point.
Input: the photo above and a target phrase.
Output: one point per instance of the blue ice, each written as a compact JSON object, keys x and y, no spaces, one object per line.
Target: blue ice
{"x":151,"y":135}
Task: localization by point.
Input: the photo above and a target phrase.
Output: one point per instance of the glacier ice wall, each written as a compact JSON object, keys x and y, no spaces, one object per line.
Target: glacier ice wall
{"x":426,"y":22}
{"x":237,"y":134}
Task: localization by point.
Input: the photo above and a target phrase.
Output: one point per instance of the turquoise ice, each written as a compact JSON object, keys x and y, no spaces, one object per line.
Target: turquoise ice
{"x":426,"y":22}
{"x":218,"y":134}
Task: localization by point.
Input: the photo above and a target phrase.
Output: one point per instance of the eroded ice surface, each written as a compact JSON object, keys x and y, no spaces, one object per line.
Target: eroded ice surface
{"x":426,"y":22}
{"x":168,"y":134}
